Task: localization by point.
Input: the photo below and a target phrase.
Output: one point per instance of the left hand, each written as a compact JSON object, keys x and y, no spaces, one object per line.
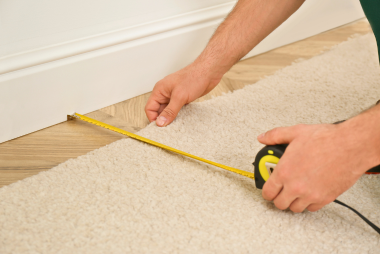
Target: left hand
{"x":321,"y":162}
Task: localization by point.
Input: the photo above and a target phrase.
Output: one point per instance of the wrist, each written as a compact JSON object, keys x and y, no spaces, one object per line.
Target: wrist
{"x":215,"y":63}
{"x":362,"y":133}
{"x":207,"y":72}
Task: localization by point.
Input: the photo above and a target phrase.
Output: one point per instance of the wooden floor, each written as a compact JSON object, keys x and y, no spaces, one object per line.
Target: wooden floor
{"x":44,"y":149}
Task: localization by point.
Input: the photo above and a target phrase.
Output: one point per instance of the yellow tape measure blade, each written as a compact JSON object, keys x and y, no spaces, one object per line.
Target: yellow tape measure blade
{"x":154,"y":143}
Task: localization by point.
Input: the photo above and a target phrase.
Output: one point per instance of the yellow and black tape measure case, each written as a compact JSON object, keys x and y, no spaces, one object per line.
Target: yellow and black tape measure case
{"x":265,"y":162}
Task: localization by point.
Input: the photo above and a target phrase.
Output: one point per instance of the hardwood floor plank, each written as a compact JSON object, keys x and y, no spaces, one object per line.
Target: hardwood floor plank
{"x":49,"y":147}
{"x":12,"y":176}
{"x":130,"y":111}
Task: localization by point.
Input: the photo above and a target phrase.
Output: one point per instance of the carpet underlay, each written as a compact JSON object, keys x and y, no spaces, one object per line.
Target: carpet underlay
{"x":130,"y":197}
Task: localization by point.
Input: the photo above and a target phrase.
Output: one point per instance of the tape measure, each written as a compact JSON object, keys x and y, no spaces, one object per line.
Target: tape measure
{"x":265,"y":162}
{"x":154,"y":143}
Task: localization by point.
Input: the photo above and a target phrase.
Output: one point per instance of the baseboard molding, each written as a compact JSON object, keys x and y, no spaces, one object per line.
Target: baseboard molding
{"x":38,"y":89}
{"x":72,"y":48}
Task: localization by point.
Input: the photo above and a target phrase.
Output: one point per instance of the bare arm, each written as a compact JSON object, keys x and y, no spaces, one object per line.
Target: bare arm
{"x":245,"y":27}
{"x":248,"y":24}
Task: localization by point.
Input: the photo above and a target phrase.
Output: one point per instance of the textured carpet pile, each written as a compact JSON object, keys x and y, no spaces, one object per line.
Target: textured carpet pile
{"x":130,"y":197}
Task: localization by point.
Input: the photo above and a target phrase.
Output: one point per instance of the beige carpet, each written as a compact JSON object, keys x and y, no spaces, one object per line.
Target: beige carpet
{"x":129,"y":197}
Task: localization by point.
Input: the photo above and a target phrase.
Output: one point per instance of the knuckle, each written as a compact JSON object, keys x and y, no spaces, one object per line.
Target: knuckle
{"x":169,"y":112}
{"x":315,"y":197}
{"x":274,"y":134}
{"x":146,"y":107}
{"x":159,"y":83}
{"x":297,"y":189}
{"x":181,"y":96}
{"x":328,"y":200}
{"x":268,"y":194}
{"x":299,"y":128}
{"x":313,"y":208}
{"x":279,"y":205}
{"x":158,"y":86}
{"x":318,"y":202}
{"x":296,"y":209}
{"x":283,"y":174}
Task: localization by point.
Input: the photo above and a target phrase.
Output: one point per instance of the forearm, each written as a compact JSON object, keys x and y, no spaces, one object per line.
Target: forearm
{"x":363,"y":131}
{"x":248,"y":24}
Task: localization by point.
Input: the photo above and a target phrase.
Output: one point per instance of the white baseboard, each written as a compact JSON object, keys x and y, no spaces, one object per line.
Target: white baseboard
{"x":38,"y":89}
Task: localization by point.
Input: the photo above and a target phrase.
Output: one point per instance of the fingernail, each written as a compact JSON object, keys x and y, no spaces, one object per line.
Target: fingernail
{"x":261,"y":135}
{"x":161,"y":121}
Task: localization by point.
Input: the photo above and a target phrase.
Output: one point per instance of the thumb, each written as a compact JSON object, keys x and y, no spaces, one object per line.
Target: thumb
{"x":280,"y":135}
{"x":170,"y":111}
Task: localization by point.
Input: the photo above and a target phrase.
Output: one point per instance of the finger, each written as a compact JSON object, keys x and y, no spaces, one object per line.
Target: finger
{"x":284,"y":199}
{"x":280,"y":135}
{"x":271,"y":188}
{"x":162,"y":107}
{"x":154,"y":105}
{"x":273,"y":185}
{"x":299,"y":205}
{"x":319,"y":205}
{"x":170,"y":111}
{"x":151,"y":110}
{"x":315,"y":207}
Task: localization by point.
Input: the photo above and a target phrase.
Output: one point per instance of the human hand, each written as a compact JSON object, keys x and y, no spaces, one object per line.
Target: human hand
{"x":321,"y":162}
{"x":178,"y":89}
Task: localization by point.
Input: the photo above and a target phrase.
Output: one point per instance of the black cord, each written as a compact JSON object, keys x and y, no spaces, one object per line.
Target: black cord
{"x":376,"y":228}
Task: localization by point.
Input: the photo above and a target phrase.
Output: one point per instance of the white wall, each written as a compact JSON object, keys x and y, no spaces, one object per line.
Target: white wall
{"x":29,"y":25}
{"x":59,"y":60}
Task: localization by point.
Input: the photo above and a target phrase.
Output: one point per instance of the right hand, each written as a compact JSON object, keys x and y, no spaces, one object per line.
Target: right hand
{"x":176,"y":90}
